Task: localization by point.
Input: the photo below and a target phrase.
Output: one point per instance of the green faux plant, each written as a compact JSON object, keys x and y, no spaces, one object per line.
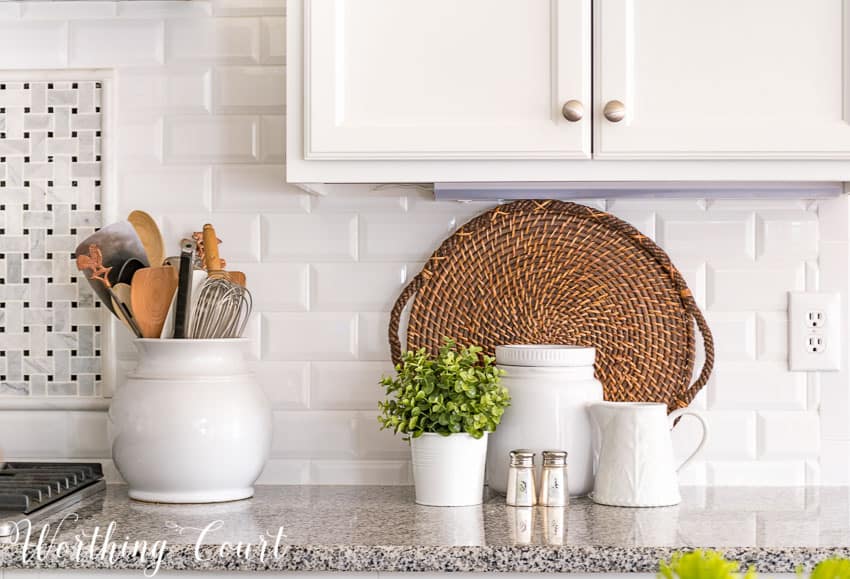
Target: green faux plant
{"x":701,"y":564}
{"x":458,"y":390}
{"x":831,"y":569}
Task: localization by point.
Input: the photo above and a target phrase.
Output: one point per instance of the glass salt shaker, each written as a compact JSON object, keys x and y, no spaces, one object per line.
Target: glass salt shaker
{"x":553,"y":480}
{"x":521,"y":487}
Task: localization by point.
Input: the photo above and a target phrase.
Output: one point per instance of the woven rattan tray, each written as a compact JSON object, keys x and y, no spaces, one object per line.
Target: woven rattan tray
{"x":552,"y":272}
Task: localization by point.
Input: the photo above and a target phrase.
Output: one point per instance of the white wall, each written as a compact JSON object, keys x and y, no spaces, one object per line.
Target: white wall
{"x":198,"y":124}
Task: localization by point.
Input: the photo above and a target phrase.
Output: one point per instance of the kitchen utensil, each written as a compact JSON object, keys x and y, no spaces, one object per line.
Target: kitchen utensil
{"x":184,"y":289}
{"x":199,"y":276}
{"x":236,"y":277}
{"x":550,"y":388}
{"x":151,"y":293}
{"x":544,"y":272}
{"x":128,"y":270}
{"x":223,"y":307}
{"x":121,"y":293}
{"x":117,"y":243}
{"x":633,"y":454}
{"x":150,"y":236}
{"x":521,"y":486}
{"x":553,"y":480}
{"x":190,"y":424}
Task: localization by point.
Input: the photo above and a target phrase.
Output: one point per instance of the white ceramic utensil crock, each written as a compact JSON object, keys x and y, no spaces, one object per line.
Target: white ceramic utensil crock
{"x":550,"y":388}
{"x":190,"y":424}
{"x":448,"y":471}
{"x":633,"y":454}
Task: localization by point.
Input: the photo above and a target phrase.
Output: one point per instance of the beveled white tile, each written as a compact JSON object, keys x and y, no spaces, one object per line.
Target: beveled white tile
{"x":373,"y":340}
{"x":256,"y":189}
{"x":76,"y":10}
{"x":33,"y":45}
{"x":100,"y":43}
{"x":287,"y":384}
{"x":279,"y":471}
{"x":772,"y":336}
{"x":276,"y":287}
{"x":273,"y":138}
{"x":785,"y":236}
{"x":361,"y":287}
{"x":347,"y":385}
{"x":734,"y":335}
{"x":178,"y":89}
{"x":757,"y":288}
{"x":739,"y":473}
{"x":248,"y":7}
{"x":315,"y":435}
{"x":360,"y":472}
{"x":162,"y":9}
{"x":756,"y":386}
{"x":217,"y":139}
{"x":218,"y":40}
{"x":165,"y":188}
{"x":788,"y":435}
{"x":309,"y":237}
{"x":408,"y":237}
{"x":372,"y":443}
{"x":273,"y":40}
{"x":249,"y":90}
{"x":711,"y":235}
{"x":309,"y":336}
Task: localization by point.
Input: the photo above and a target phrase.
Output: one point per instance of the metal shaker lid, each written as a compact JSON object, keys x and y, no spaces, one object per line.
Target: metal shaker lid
{"x":522,"y":457}
{"x":554,"y":458}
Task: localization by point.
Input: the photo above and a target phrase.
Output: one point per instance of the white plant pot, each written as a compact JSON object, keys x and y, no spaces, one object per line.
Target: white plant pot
{"x":191,"y":424}
{"x":449,"y":470}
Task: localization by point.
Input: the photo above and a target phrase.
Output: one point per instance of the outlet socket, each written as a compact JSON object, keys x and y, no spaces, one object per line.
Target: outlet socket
{"x":814,"y":331}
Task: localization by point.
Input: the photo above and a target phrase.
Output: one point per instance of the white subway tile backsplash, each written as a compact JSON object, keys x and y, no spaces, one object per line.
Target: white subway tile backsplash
{"x":183,"y":189}
{"x":78,"y":10}
{"x":715,"y":235}
{"x":734,"y":335}
{"x":785,"y":235}
{"x":762,"y":386}
{"x":273,"y":40}
{"x":761,"y":473}
{"x":248,"y":7}
{"x":347,"y":385}
{"x":788,"y":435}
{"x":239,"y":233}
{"x":33,"y":44}
{"x":360,"y":287}
{"x":182,"y":90}
{"x":287,"y":384}
{"x":309,"y":336}
{"x":139,"y":142}
{"x":315,"y":435}
{"x":108,"y":43}
{"x":158,"y":8}
{"x":219,"y":40}
{"x":277,"y":287}
{"x":273,"y":138}
{"x":754,"y":288}
{"x":280,"y":471}
{"x":772,"y":336}
{"x":246,"y":187}
{"x":372,"y":332}
{"x":310,"y":237}
{"x":405,"y":237}
{"x":252,"y":90}
{"x":216,"y":139}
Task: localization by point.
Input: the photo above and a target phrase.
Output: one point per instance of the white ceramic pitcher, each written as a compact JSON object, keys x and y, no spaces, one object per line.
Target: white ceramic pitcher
{"x":633,"y":454}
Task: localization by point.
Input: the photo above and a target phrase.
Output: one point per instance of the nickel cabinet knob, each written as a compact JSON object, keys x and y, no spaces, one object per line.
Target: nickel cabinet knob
{"x":573,"y":110}
{"x":614,"y":111}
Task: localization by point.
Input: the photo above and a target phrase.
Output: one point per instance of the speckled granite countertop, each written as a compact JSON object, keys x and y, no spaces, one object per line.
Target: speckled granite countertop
{"x":381,"y":529}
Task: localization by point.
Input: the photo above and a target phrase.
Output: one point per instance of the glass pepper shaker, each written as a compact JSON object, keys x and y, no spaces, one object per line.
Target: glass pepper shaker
{"x":553,"y":481}
{"x":521,"y":487}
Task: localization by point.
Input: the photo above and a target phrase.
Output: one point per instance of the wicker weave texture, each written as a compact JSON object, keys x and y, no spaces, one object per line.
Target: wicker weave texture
{"x":552,"y":272}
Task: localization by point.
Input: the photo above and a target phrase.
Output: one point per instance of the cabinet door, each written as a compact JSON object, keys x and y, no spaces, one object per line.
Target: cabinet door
{"x":722,"y":78}
{"x":445,"y":79}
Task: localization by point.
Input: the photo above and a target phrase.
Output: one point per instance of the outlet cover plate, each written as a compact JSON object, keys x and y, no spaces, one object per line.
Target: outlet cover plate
{"x":825,"y":308}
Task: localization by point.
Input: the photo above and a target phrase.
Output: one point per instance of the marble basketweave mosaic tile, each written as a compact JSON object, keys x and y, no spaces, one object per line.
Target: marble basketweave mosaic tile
{"x":50,"y":191}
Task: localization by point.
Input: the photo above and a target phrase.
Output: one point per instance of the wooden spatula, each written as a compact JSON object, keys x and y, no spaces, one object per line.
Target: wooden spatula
{"x":150,"y":298}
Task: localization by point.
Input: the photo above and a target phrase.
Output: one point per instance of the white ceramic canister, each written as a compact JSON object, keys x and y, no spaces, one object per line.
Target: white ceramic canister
{"x":550,"y":389}
{"x":190,"y":424}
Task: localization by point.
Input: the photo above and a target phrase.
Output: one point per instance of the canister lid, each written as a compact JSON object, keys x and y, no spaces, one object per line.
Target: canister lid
{"x":545,"y":355}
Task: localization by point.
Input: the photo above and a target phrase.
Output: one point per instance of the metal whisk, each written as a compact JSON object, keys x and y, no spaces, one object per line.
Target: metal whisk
{"x":223,"y":307}
{"x":223,"y":310}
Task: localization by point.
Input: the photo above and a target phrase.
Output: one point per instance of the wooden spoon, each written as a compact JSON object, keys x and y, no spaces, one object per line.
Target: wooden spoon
{"x":148,"y":231}
{"x":151,"y":293}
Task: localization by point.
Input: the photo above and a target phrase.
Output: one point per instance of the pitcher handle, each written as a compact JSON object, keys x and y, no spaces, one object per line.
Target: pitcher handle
{"x":686,"y":412}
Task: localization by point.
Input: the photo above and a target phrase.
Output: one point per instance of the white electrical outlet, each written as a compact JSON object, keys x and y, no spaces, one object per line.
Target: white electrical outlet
{"x":814,"y":331}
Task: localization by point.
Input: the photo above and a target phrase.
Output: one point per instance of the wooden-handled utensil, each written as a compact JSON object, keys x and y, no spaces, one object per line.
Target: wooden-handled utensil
{"x":150,"y":297}
{"x":150,"y":236}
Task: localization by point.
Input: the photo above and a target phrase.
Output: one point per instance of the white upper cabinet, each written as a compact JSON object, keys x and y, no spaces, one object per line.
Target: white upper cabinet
{"x":749,"y":79}
{"x":446,"y":79}
{"x":475,"y":90}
